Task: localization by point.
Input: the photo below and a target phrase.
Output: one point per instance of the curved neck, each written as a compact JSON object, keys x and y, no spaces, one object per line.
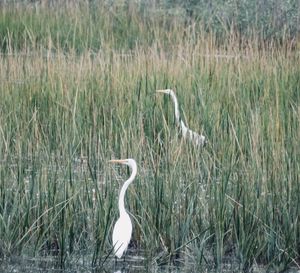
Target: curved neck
{"x":124,"y":188}
{"x":177,"y":114}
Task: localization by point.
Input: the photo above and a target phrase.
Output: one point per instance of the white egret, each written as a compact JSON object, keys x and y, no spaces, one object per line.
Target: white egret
{"x":198,"y":140}
{"x":123,"y":227}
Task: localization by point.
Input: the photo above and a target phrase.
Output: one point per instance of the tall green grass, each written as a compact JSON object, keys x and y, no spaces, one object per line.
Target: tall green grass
{"x":65,"y":110}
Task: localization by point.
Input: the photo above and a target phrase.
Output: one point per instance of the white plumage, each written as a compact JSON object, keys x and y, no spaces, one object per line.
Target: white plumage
{"x":122,"y":235}
{"x":195,"y":138}
{"x":123,"y":227}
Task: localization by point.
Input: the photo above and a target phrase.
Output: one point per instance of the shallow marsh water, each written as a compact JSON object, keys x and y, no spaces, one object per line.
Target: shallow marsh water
{"x":47,"y":265}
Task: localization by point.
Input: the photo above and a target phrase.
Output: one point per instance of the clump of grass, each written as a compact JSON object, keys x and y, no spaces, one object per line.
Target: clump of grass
{"x":63,"y":115}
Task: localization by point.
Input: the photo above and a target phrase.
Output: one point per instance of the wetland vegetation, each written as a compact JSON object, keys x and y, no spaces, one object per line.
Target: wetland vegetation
{"x":77,"y":88}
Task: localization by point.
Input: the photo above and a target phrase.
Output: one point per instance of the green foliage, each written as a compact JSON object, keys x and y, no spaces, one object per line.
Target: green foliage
{"x":125,"y":25}
{"x":66,"y":110}
{"x":269,"y":20}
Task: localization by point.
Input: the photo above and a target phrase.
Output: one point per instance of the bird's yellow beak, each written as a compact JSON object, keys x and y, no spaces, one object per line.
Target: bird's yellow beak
{"x":117,"y":161}
{"x":161,"y":91}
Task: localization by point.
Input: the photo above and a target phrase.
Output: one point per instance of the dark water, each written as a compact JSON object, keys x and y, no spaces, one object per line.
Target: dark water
{"x":45,"y":265}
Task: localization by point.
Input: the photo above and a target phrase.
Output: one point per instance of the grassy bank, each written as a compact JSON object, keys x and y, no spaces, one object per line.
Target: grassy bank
{"x":70,"y":104}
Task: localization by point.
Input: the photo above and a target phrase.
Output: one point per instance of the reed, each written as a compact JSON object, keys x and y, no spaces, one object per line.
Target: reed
{"x":75,"y":94}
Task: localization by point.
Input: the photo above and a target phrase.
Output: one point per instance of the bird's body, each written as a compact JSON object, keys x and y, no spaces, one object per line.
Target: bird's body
{"x":123,"y":227}
{"x":121,"y":240}
{"x":195,"y":138}
{"x":198,"y":140}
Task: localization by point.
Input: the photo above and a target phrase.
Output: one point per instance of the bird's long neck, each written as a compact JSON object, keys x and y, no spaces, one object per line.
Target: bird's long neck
{"x":177,"y":113}
{"x":124,"y":188}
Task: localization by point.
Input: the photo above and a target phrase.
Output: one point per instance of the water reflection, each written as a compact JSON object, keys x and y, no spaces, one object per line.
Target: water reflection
{"x":16,"y":265}
{"x":22,"y":265}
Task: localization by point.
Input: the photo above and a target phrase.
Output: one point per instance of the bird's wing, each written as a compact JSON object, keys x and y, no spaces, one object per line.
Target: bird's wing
{"x":122,"y":235}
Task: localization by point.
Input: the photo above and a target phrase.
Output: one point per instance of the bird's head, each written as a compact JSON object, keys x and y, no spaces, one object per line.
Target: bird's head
{"x":166,"y":91}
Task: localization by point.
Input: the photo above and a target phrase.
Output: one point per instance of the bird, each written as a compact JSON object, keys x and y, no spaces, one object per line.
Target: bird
{"x":123,"y":227}
{"x":195,"y":138}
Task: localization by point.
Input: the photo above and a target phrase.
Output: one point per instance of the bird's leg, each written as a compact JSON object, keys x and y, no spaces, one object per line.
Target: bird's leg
{"x":124,"y":265}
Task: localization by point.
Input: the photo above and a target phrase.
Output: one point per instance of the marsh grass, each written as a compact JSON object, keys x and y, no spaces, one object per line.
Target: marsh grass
{"x":66,"y":109}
